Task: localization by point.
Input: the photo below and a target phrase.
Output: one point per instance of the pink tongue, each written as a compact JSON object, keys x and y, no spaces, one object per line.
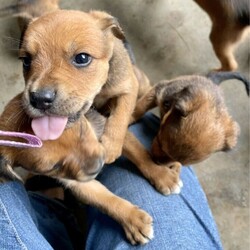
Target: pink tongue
{"x":49,"y":127}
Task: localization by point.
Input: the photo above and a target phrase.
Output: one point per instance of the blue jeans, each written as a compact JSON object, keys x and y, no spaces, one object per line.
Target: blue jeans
{"x":183,"y":221}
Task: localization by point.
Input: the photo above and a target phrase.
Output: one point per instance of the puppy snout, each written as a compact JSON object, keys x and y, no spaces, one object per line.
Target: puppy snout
{"x":42,"y":99}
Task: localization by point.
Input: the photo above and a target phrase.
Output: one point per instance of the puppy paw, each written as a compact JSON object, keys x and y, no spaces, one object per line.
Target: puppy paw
{"x":166,"y":178}
{"x":94,"y":161}
{"x":84,"y":163}
{"x":113,"y":149}
{"x":138,"y":227}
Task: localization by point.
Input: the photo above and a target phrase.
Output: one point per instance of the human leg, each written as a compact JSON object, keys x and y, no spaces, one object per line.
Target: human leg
{"x":30,"y":220}
{"x":18,"y":223}
{"x":181,"y":221}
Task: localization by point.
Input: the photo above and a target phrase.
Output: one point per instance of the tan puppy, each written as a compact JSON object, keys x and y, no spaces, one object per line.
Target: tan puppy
{"x":72,"y":60}
{"x":194,"y":119}
{"x":230,"y":19}
{"x":89,"y":66}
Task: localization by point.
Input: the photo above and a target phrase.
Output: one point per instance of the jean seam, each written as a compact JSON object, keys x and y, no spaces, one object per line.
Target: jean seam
{"x":18,"y":238}
{"x":203,"y":225}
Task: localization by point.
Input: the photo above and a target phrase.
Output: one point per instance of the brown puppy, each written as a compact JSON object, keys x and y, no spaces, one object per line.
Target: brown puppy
{"x":72,"y":60}
{"x":230,"y":19}
{"x":194,"y":119}
{"x":89,"y":66}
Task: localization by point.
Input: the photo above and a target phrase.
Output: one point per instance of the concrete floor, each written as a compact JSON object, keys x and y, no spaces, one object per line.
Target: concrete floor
{"x":170,"y":38}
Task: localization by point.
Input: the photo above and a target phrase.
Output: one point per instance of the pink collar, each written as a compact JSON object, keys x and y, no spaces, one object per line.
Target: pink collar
{"x":32,"y":140}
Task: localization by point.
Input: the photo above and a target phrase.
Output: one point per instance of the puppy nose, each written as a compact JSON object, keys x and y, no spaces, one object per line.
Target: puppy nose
{"x":42,"y":99}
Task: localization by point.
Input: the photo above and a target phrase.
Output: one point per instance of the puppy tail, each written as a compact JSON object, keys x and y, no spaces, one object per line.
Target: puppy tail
{"x":6,"y":172}
{"x":218,"y":77}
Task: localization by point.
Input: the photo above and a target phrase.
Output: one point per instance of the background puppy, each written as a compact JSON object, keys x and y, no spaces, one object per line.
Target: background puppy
{"x":194,"y":119}
{"x":230,"y":19}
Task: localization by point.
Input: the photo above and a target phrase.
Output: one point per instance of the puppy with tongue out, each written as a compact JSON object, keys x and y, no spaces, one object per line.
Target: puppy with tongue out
{"x":71,"y":61}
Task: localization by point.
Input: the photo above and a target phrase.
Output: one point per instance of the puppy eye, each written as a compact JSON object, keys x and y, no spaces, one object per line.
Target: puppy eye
{"x":26,"y":62}
{"x":82,"y":60}
{"x":167,"y":104}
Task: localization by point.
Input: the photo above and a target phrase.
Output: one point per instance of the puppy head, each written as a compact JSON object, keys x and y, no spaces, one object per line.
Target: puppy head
{"x":66,"y":58}
{"x":194,"y":121}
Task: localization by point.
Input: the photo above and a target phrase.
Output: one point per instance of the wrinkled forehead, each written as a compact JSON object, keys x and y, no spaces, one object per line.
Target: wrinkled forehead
{"x":72,"y":33}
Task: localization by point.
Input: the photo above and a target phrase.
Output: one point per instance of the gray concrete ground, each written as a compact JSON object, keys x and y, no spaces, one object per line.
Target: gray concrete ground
{"x":170,"y":38}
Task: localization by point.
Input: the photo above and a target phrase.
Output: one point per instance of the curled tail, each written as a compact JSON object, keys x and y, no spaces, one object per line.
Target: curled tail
{"x":218,"y":77}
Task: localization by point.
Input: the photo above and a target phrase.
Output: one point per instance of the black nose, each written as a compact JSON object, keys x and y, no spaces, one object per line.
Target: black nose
{"x":42,"y":99}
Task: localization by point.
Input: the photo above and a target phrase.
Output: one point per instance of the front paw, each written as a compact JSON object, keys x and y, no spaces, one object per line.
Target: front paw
{"x":138,"y":226}
{"x":166,"y":178}
{"x":113,"y":149}
{"x":83,"y":164}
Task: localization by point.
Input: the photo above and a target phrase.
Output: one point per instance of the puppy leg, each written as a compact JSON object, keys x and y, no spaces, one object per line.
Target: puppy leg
{"x":165,"y":178}
{"x":117,"y":125}
{"x":145,"y":103}
{"x":87,"y":151}
{"x":224,"y":38}
{"x":136,"y":223}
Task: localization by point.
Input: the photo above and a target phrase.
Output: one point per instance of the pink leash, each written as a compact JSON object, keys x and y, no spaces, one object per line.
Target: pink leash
{"x":32,"y":140}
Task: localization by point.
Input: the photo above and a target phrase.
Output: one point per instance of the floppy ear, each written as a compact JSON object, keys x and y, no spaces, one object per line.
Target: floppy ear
{"x":183,"y":102}
{"x":182,"y":108}
{"x":113,"y":25}
{"x":109,"y":23}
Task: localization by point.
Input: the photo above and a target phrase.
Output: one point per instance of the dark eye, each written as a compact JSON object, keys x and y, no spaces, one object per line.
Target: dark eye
{"x":82,"y":60}
{"x":167,"y":104}
{"x":26,"y":62}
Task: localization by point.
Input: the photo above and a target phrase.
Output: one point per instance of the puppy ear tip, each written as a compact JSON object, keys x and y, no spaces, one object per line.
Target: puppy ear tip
{"x":108,"y":22}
